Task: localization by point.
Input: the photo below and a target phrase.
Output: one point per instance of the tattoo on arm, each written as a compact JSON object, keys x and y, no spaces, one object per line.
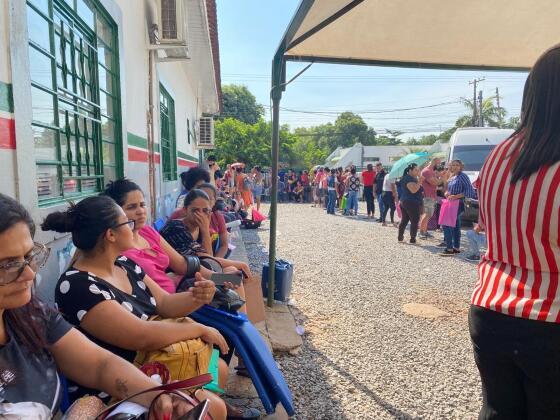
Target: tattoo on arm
{"x":122,"y":388}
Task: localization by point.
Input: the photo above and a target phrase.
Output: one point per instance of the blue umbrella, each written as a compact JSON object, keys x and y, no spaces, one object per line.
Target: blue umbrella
{"x":397,"y":171}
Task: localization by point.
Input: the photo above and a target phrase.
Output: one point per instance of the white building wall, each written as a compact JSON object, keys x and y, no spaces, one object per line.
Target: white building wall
{"x":131,"y":18}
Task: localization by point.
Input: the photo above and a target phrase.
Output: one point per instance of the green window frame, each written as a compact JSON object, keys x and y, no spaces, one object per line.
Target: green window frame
{"x":168,"y":144}
{"x":75,"y":94}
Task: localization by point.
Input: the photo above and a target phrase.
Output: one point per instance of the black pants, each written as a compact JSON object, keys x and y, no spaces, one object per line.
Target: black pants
{"x":389,"y":202}
{"x":519,"y":364}
{"x":368,"y":196}
{"x":411,"y":211}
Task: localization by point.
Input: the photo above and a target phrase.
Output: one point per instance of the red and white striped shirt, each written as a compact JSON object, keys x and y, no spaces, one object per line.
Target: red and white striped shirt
{"x":519,"y":274}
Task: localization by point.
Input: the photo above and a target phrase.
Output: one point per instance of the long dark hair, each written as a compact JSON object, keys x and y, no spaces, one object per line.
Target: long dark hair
{"x":88,"y":220}
{"x":119,"y":189}
{"x":28,"y":322}
{"x":540,"y":122}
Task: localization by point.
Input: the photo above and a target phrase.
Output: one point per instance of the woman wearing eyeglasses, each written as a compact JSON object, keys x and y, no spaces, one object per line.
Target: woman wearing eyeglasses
{"x":110,"y":298}
{"x":36,"y":342}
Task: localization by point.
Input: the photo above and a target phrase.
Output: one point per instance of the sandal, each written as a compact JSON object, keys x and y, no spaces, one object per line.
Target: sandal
{"x":235,"y":413}
{"x":242,"y":371}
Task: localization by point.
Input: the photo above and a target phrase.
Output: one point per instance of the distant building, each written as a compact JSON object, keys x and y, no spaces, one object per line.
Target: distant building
{"x":360,"y":155}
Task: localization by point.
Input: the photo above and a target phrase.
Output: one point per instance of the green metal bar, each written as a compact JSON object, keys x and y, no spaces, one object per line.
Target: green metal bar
{"x":86,"y":139}
{"x":68,"y":146}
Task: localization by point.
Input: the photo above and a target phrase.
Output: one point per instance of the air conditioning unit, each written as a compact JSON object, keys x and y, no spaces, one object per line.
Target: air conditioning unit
{"x":205,"y":134}
{"x":172,"y":23}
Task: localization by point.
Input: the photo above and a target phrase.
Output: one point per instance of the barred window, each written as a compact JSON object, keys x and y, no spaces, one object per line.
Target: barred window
{"x":75,"y":98}
{"x":168,"y":139}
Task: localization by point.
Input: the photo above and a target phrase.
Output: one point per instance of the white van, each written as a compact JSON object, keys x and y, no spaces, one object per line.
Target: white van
{"x":473,"y":144}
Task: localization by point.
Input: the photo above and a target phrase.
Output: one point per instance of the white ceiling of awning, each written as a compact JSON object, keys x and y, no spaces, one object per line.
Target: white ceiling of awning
{"x":456,"y":33}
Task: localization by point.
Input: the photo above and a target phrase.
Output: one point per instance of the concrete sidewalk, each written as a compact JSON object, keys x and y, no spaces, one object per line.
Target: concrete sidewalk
{"x":278,"y":331}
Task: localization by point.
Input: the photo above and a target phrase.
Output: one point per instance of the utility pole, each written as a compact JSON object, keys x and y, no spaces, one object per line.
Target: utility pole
{"x":481,"y":117}
{"x":500,"y":122}
{"x":474,"y":83}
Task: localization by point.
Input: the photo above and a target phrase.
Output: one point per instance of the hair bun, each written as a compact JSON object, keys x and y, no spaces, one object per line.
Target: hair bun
{"x":60,"y":221}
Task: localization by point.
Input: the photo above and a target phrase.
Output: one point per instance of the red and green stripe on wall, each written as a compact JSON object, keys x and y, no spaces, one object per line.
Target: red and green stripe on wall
{"x":138,"y":152}
{"x":7,"y":123}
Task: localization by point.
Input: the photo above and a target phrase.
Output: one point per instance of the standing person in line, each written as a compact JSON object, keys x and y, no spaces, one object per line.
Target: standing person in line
{"x":317,"y":186}
{"x":368,"y":179}
{"x":459,"y":187}
{"x":340,"y":178}
{"x":212,"y":167}
{"x":353,"y":187}
{"x":304,"y":179}
{"x":378,"y":187}
{"x":410,"y":201}
{"x":389,"y":199}
{"x":258,"y":185}
{"x":431,"y":181}
{"x":331,"y":186}
{"x":324,"y":189}
{"x":244,"y":185}
{"x":514,"y":319}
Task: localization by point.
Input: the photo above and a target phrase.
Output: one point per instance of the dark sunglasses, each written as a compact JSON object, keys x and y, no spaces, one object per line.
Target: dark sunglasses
{"x":131,"y":224}
{"x":36,"y":259}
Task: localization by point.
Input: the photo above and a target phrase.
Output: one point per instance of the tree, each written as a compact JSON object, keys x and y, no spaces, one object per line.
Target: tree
{"x":491,"y":114}
{"x":350,"y":129}
{"x":241,"y":104}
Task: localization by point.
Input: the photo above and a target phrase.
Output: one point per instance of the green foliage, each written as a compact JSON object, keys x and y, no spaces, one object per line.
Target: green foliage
{"x":237,"y":141}
{"x":241,"y":104}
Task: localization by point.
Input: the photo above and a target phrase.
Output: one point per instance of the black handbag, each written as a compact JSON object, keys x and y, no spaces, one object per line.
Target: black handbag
{"x":224,"y":299}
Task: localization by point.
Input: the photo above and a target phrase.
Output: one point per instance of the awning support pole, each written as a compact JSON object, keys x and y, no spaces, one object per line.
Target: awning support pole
{"x":278,"y":71}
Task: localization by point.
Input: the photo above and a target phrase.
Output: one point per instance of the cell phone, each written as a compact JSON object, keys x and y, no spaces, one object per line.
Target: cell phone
{"x":220,"y":278}
{"x":198,"y":412}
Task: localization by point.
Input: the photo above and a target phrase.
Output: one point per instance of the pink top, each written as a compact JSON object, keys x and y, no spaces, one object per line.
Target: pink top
{"x":153,"y":260}
{"x":430,"y":191}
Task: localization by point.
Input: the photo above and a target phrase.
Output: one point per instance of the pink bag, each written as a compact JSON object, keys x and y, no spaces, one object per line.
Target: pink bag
{"x":399,"y":212}
{"x":448,"y":212}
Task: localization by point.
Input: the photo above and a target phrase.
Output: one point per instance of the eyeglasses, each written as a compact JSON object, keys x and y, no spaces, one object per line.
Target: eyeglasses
{"x":11,"y":271}
{"x":131,"y":224}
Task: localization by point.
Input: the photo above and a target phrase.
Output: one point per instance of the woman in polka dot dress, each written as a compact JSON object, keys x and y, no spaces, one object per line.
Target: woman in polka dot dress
{"x":109,"y":297}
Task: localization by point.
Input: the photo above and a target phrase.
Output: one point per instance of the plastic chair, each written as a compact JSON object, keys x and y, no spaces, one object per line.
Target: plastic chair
{"x":159,"y":224}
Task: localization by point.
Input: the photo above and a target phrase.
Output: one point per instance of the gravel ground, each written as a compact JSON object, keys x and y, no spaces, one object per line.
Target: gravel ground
{"x":363,"y":357}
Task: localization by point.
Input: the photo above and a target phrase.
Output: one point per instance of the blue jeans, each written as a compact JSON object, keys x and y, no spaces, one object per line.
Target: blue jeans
{"x":352,"y":201}
{"x":331,"y":202}
{"x":476,"y":240}
{"x":452,"y":235}
{"x":381,"y":204}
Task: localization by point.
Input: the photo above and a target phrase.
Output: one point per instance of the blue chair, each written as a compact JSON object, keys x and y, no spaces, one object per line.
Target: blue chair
{"x":65,"y":400}
{"x":159,"y":224}
{"x":261,"y":366}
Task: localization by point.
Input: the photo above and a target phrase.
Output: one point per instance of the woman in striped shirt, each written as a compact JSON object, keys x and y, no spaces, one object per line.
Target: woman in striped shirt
{"x":459,"y":187}
{"x":514,"y":318}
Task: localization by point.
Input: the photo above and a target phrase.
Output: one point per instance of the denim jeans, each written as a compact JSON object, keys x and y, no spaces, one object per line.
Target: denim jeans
{"x":452,"y":235}
{"x":352,"y":201}
{"x":331,"y":203}
{"x":476,"y":240}
{"x":381,"y":204}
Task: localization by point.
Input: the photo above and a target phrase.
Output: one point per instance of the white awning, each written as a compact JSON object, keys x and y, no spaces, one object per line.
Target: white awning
{"x":494,"y":34}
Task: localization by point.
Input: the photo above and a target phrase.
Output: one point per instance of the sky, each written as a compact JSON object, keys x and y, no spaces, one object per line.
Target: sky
{"x":249,"y":34}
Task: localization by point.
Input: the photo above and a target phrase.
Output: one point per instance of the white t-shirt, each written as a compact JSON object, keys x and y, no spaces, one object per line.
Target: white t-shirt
{"x":388,"y":183}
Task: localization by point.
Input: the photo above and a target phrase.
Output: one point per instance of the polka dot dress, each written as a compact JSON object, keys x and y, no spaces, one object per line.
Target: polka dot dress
{"x":78,"y":292}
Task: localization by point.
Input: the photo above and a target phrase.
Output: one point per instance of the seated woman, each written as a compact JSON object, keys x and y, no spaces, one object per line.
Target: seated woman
{"x":35,"y":341}
{"x":298,"y":193}
{"x":216,"y":240}
{"x":110,"y":298}
{"x":196,"y":219}
{"x":150,"y":251}
{"x":191,"y":179}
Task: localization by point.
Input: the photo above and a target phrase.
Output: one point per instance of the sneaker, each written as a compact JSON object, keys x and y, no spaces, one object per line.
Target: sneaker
{"x":456,"y":251}
{"x":422,"y":235}
{"x":413,"y":241}
{"x":442,"y":245}
{"x":473,"y":257}
{"x":429,"y":235}
{"x":446,"y":253}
